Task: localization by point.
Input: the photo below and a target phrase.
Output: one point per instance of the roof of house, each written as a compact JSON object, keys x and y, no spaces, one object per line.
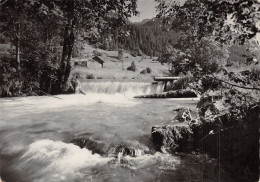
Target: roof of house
{"x":98,"y":59}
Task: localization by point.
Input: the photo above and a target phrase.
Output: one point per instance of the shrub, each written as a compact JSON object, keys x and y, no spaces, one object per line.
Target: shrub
{"x":143,"y":72}
{"x":255,"y":73}
{"x":148,"y":70}
{"x":76,"y":75}
{"x":90,"y":76}
{"x":132,"y":67}
{"x":14,"y":82}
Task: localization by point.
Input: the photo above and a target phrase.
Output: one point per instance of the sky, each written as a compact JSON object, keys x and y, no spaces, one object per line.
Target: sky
{"x":147,"y":10}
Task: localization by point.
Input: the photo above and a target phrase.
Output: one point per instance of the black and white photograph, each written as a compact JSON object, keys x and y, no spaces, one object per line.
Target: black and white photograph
{"x":129,"y":90}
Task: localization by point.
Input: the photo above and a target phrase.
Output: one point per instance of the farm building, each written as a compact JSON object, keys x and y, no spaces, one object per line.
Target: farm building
{"x":99,"y":60}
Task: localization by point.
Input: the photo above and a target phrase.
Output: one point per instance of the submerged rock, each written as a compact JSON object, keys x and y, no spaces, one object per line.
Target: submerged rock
{"x":125,"y":150}
{"x":130,"y":148}
{"x":89,"y":144}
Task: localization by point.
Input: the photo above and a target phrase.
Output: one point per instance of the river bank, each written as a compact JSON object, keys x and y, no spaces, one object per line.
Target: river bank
{"x":226,"y":128}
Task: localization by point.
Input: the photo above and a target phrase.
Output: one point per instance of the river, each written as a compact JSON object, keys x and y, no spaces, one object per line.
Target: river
{"x":36,"y":135}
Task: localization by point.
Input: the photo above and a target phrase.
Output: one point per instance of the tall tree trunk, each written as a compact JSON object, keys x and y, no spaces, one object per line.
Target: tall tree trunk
{"x":68,"y":61}
{"x":17,"y":45}
{"x":68,"y":44}
{"x":64,"y":55}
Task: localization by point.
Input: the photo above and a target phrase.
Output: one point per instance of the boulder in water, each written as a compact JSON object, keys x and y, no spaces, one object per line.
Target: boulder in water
{"x":172,"y":138}
{"x":89,"y":144}
{"x":177,"y":137}
{"x":130,"y":148}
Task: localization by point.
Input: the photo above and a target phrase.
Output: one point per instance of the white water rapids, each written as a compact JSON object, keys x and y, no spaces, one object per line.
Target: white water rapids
{"x":36,"y":135}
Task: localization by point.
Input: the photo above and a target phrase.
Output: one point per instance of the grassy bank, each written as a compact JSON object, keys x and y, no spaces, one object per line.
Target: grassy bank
{"x":113,"y":68}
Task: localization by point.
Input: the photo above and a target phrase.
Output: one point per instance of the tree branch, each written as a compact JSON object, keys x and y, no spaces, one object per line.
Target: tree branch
{"x":3,"y":2}
{"x":251,"y":88}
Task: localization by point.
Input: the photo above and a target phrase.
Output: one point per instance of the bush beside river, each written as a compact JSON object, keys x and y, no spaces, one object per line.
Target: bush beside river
{"x":226,"y":128}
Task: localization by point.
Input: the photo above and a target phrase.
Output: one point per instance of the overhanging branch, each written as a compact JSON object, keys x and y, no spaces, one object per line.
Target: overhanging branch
{"x":250,"y":88}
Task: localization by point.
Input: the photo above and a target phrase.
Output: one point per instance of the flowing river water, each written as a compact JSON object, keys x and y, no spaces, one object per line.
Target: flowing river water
{"x":36,"y":135}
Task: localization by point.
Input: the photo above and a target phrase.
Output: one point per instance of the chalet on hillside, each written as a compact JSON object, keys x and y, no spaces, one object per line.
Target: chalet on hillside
{"x":99,"y":60}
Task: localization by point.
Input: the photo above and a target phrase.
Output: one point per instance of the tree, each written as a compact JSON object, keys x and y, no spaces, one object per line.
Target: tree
{"x":202,"y":56}
{"x":228,"y":20}
{"x":207,"y":28}
{"x":120,"y":57}
{"x":89,"y":14}
{"x":33,"y":27}
{"x":15,"y":18}
{"x":44,"y":25}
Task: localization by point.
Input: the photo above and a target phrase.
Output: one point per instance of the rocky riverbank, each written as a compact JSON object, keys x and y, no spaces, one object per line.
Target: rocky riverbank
{"x":226,"y":128}
{"x":185,"y":93}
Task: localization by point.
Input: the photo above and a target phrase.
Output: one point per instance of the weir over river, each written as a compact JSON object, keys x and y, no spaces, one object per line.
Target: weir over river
{"x":40,"y":137}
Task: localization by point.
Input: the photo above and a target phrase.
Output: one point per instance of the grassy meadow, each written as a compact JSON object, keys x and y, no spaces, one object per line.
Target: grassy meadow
{"x":114,"y":69}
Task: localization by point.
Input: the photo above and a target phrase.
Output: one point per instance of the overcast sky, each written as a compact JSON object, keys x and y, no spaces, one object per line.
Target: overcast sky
{"x":146,"y":8}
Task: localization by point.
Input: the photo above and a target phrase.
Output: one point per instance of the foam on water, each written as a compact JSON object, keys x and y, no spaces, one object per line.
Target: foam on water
{"x":161,"y":160}
{"x":40,"y":156}
{"x":34,"y":104}
{"x":57,"y":161}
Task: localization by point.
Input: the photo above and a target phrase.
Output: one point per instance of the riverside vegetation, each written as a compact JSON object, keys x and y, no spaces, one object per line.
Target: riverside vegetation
{"x":227,"y":122}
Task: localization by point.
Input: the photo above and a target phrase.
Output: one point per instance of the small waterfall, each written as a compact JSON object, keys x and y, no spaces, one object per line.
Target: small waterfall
{"x":116,"y":87}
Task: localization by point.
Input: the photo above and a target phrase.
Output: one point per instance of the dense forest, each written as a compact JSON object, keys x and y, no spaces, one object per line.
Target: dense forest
{"x":44,"y":36}
{"x":152,"y":38}
{"x":148,"y":37}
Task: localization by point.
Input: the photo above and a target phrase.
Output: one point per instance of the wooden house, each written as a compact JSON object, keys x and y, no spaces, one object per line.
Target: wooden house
{"x":99,"y":60}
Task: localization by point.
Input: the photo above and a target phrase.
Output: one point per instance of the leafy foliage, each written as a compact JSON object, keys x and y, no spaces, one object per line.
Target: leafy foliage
{"x":47,"y":34}
{"x":206,"y":30}
{"x":227,"y":20}
{"x":196,"y":56}
{"x":148,"y":70}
